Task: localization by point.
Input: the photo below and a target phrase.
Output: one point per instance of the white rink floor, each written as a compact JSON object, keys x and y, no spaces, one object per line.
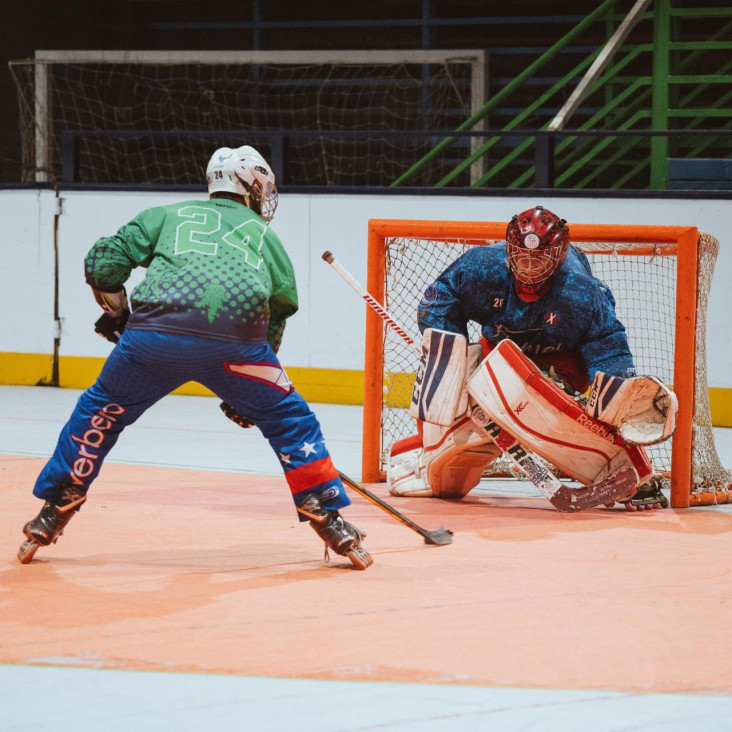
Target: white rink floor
{"x":71,"y":699}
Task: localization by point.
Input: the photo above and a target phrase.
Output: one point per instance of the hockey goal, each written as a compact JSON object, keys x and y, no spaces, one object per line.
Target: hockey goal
{"x":666,"y":325}
{"x":319,"y":117}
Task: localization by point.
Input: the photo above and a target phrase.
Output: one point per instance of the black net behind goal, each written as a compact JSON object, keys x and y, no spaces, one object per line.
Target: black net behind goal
{"x":158,"y":123}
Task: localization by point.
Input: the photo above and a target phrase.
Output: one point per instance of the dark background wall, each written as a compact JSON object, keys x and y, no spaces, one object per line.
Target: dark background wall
{"x":30,"y":25}
{"x":514,"y":33}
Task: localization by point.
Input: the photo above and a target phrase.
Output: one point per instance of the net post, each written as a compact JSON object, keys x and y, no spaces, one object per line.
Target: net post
{"x":687,"y":271}
{"x":374,"y":360}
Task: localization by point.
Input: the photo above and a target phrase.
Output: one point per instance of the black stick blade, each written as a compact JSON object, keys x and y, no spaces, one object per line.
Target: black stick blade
{"x":439,"y":536}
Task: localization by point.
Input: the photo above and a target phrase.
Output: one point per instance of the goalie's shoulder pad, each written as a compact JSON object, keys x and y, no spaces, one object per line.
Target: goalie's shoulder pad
{"x":642,"y":408}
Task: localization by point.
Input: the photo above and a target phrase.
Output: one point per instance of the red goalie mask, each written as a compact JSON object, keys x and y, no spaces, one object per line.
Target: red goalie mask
{"x":537,"y":242}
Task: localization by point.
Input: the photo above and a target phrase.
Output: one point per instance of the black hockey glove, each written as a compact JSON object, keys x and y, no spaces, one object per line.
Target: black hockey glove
{"x":234,"y":416}
{"x":111,"y":328}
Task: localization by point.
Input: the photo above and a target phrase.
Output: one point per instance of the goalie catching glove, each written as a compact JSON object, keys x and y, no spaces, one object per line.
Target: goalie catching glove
{"x":641,"y":408}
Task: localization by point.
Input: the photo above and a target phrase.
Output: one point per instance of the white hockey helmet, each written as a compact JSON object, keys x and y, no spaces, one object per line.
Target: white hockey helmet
{"x":244,"y":172}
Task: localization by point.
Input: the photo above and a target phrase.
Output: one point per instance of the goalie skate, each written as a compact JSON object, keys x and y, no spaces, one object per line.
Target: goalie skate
{"x":647,"y":497}
{"x":337,"y":533}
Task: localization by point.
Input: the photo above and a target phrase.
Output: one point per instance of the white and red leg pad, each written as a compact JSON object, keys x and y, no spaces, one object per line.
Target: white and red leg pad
{"x":403,"y":474}
{"x":513,"y":391}
{"x":445,"y":462}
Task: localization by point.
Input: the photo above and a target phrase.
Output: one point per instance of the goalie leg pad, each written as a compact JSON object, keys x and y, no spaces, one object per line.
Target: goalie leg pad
{"x":527,"y":405}
{"x":449,"y":463}
{"x":641,"y":408}
{"x":403,"y":474}
{"x":439,"y":396}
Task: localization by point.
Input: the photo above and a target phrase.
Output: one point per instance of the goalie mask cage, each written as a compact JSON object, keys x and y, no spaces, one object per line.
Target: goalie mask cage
{"x":660,"y":276}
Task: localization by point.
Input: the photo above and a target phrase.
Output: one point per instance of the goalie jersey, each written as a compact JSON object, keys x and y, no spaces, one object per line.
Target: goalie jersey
{"x":214,"y":269}
{"x":575,"y":317}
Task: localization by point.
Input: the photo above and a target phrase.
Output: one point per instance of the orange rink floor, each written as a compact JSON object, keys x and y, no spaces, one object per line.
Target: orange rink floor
{"x":189,"y":571}
{"x":186,"y":596}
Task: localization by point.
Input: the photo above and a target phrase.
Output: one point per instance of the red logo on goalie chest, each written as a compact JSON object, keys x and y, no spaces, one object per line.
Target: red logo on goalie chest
{"x":551,"y":318}
{"x":520,"y":408}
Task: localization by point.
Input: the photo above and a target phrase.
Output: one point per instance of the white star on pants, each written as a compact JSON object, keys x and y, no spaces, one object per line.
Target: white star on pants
{"x":308,"y":448}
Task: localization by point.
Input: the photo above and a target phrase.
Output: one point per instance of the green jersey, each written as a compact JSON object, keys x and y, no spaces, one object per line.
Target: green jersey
{"x":214,"y":269}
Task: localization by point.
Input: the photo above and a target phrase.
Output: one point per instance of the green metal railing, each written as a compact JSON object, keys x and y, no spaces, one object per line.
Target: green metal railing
{"x":659,"y":86}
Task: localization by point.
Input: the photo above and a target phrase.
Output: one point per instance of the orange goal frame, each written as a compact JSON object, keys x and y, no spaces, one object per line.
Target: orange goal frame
{"x":686,"y":248}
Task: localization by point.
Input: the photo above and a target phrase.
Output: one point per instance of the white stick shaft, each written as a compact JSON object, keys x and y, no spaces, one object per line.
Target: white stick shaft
{"x":372,"y":303}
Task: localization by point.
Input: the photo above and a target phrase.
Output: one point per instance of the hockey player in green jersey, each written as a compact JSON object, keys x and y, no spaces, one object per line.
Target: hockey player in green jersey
{"x":212,"y":308}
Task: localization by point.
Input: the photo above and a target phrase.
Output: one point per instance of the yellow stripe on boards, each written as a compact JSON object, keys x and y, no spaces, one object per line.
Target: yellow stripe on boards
{"x":327,"y":386}
{"x":720,"y":401}
{"x":330,"y":386}
{"x":78,"y":372}
{"x":26,"y":369}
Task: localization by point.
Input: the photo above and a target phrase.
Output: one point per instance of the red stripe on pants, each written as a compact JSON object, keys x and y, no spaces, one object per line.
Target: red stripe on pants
{"x":311,"y":475}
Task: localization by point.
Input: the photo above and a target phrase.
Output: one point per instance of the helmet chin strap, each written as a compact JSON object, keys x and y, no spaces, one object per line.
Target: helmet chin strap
{"x":531,"y":293}
{"x":252,"y":203}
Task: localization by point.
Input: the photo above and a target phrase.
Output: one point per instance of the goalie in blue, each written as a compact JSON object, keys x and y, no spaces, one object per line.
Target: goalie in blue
{"x":538,"y":291}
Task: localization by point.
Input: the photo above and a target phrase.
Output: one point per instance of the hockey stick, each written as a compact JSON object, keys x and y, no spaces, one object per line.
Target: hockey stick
{"x":372,"y":303}
{"x":437,"y":536}
{"x":568,"y":500}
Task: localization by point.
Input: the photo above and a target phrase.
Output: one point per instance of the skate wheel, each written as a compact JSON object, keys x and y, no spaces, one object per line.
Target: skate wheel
{"x":27,"y":551}
{"x":629,"y":506}
{"x":360,"y":558}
